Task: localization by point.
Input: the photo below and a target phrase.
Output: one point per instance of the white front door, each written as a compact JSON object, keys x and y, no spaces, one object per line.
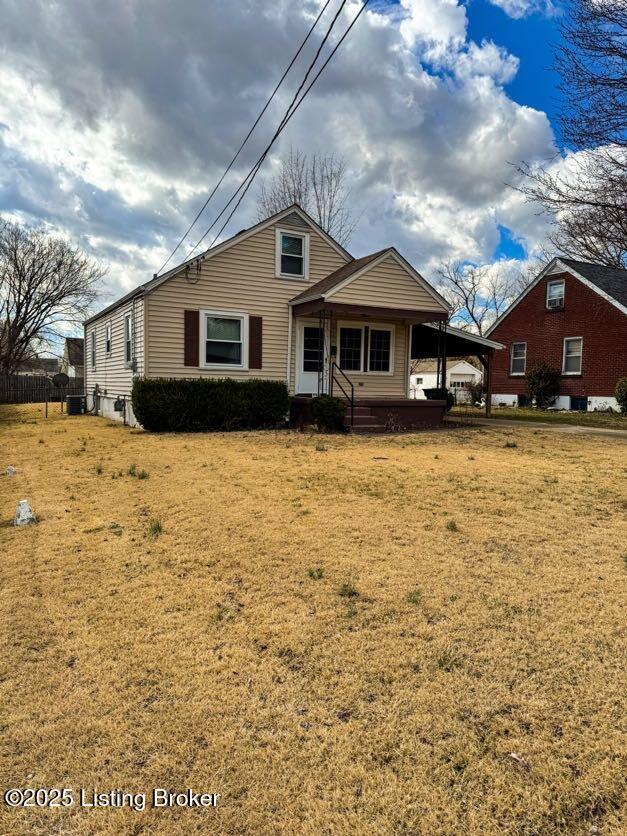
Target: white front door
{"x":309,"y":357}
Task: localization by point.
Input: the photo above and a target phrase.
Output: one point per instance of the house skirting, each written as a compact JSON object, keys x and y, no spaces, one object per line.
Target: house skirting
{"x":105,"y":407}
{"x":595,"y":403}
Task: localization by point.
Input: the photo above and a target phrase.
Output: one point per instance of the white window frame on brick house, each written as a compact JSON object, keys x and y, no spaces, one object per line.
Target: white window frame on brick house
{"x":565,"y":354}
{"x":523,"y":357}
{"x":304,"y":236}
{"x":555,"y":302}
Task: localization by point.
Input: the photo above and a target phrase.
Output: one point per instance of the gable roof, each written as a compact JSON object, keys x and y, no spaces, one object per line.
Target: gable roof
{"x":292,"y":215}
{"x":75,"y":350}
{"x":323,"y":286}
{"x":348,"y":272}
{"x":609,"y":282}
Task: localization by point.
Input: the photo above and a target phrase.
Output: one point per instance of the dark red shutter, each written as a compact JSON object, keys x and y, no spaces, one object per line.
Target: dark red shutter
{"x":255,"y":342}
{"x":192,"y":337}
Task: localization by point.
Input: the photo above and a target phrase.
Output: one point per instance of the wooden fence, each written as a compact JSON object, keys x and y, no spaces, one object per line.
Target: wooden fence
{"x":17,"y":388}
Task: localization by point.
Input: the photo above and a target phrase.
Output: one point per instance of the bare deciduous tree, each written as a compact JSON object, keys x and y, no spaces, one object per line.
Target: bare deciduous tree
{"x":318,"y":184}
{"x":46,"y":285}
{"x":588,"y":204}
{"x":591,"y":61}
{"x":478,"y":295}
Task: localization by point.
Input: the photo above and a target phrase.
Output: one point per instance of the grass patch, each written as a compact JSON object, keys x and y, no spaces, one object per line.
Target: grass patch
{"x":602,"y":420}
{"x":414,"y":597}
{"x":132,"y":661}
{"x":155,"y":528}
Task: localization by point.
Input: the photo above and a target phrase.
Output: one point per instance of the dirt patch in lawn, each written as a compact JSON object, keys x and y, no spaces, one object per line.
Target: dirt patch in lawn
{"x":406,"y":634}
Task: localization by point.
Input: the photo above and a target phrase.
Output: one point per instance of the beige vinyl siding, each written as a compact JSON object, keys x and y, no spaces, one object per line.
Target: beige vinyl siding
{"x":387,"y":285}
{"x":241,"y":279}
{"x":111,"y":373}
{"x":367,"y":384}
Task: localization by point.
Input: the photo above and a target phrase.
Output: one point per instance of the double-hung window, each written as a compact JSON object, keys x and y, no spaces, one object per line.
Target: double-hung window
{"x":128,"y":339}
{"x":108,"y":338}
{"x":366,"y":348}
{"x":518,"y":358}
{"x":573,"y":350}
{"x":379,"y":349}
{"x":351,"y":349}
{"x":555,"y":294}
{"x":225,"y":339}
{"x":292,"y":254}
{"x":93,"y":349}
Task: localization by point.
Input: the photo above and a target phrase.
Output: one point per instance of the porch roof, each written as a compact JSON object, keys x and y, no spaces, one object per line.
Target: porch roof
{"x":407,"y":315}
{"x":424,"y":342}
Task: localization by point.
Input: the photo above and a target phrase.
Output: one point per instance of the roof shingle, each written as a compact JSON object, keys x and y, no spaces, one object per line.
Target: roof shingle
{"x":329,"y":282}
{"x":610,"y":280}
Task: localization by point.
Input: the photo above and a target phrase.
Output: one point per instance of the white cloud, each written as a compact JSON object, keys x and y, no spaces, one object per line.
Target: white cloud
{"x":522,"y":8}
{"x":120,"y":116}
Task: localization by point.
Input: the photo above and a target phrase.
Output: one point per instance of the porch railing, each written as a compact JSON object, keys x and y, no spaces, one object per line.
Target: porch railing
{"x":335,"y":379}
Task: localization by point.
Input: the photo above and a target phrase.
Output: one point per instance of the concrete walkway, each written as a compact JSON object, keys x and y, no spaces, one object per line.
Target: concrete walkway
{"x":571,"y":429}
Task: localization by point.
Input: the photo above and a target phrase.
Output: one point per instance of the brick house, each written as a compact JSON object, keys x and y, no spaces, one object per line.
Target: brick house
{"x":573,"y":316}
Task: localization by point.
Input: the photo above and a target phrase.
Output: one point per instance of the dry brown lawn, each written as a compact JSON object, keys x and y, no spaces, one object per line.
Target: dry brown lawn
{"x":415,"y":634}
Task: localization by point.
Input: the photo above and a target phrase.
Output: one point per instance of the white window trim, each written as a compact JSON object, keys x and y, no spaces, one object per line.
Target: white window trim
{"x":92,"y":348}
{"x":511,"y":359}
{"x":241,"y":367}
{"x":108,"y":338}
{"x":128,"y":318}
{"x":572,"y":374}
{"x":378,"y":326}
{"x":548,"y":287}
{"x":294,"y":234}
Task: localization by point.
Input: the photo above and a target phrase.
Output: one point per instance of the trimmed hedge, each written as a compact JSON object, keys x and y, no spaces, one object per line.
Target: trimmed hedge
{"x":171,"y":405}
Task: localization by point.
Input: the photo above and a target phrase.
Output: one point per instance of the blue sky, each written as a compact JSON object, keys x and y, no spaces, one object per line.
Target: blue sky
{"x":117,"y":118}
{"x":532,"y":38}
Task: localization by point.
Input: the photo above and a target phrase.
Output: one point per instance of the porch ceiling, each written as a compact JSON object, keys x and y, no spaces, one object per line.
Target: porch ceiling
{"x":316,"y":306}
{"x":424,"y":343}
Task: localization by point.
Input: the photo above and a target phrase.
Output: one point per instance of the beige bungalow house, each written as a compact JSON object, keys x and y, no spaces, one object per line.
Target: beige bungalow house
{"x":281,"y":301}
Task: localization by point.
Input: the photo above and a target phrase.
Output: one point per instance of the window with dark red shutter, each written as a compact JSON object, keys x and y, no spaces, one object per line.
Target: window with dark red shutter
{"x":192,"y":338}
{"x":255,"y":341}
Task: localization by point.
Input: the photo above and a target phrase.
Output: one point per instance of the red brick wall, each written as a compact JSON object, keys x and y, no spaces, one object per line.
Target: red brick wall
{"x":585,"y":314}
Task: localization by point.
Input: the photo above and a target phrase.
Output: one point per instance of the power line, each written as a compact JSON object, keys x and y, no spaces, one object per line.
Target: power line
{"x":248,"y":180}
{"x":248,"y":135}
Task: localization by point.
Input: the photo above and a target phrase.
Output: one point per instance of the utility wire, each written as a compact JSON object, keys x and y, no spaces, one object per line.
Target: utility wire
{"x":247,"y":182}
{"x":247,"y":137}
{"x":253,"y":171}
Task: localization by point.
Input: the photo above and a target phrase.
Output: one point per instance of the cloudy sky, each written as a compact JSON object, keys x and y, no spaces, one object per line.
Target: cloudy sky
{"x":118,"y":116}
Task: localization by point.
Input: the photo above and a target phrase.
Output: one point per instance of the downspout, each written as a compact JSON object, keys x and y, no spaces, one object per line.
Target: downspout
{"x":289,"y":345}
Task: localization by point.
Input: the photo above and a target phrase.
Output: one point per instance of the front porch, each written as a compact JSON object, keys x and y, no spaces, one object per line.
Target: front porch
{"x":359,"y":353}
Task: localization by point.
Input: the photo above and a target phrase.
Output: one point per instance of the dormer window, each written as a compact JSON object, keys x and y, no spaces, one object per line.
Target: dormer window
{"x":555,"y":294}
{"x":292,"y":254}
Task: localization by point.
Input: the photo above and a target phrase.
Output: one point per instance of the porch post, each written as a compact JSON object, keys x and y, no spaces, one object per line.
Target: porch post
{"x":444,"y":386}
{"x":488,"y":383}
{"x":438,"y":376}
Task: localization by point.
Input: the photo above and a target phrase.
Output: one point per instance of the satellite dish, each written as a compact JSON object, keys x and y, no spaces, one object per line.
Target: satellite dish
{"x":60,"y":379}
